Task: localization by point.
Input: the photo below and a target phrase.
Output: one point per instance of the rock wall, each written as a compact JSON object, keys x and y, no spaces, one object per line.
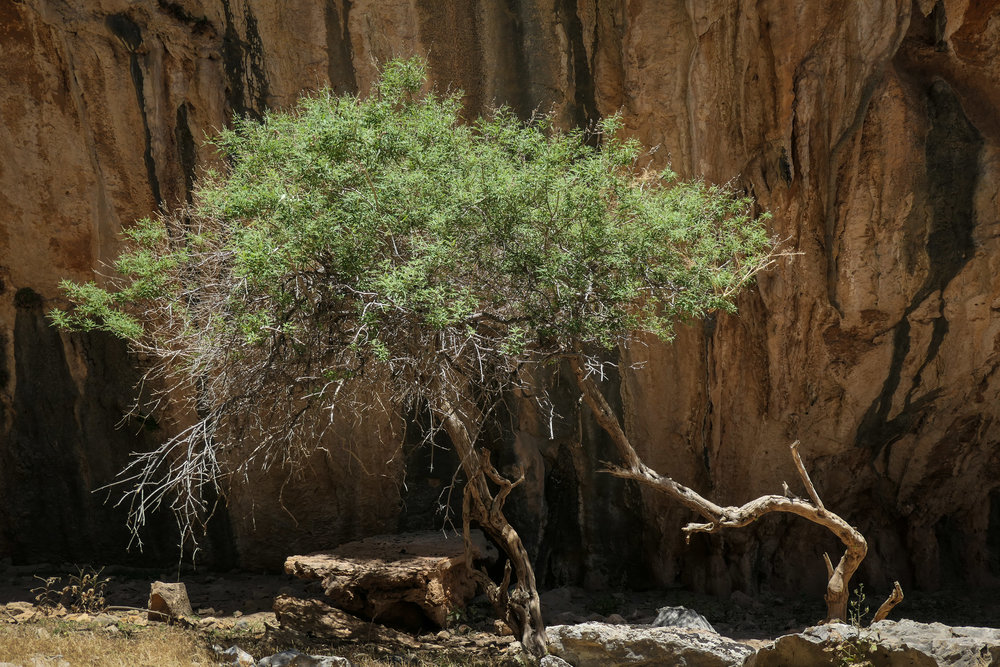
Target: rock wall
{"x":868,"y":128}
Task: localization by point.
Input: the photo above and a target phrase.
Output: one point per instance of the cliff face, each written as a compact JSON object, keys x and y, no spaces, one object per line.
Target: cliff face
{"x":869,"y":129}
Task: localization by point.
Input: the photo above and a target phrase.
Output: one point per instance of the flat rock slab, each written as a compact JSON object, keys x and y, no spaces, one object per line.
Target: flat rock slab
{"x":294,"y":658}
{"x":410,"y":580}
{"x":606,"y":645}
{"x":902,"y":643}
{"x":320,"y":620}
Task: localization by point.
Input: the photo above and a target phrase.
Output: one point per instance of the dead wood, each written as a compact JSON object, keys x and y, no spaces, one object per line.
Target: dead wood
{"x":718,"y":517}
{"x":894,"y":598}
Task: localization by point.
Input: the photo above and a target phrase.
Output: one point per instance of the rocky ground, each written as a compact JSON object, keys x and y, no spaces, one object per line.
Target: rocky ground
{"x":234,"y":609}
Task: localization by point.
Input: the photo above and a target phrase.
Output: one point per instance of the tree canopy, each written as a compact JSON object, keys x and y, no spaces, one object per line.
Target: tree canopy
{"x":354,"y":232}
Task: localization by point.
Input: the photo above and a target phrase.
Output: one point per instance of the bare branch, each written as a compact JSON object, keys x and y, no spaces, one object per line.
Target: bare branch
{"x":735,"y":517}
{"x":805,"y":476}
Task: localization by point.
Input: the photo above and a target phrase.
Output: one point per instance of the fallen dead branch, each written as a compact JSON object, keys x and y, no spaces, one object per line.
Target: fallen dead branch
{"x":718,"y":517}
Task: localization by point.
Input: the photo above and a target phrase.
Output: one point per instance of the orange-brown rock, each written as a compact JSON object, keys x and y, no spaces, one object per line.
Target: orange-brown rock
{"x":868,"y":128}
{"x":168,"y":601}
{"x":409,"y":580}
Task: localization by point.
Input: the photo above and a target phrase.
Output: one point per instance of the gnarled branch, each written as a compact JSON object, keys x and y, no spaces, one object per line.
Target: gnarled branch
{"x":839,"y":577}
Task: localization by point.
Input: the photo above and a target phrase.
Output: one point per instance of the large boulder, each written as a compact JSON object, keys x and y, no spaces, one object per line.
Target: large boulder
{"x":410,"y":581}
{"x":606,"y":645}
{"x":903,"y":643}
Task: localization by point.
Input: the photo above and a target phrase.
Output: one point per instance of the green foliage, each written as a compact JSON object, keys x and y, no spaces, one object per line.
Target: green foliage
{"x":396,"y":206}
{"x":860,"y":646}
{"x":95,"y":308}
{"x":858,"y":607}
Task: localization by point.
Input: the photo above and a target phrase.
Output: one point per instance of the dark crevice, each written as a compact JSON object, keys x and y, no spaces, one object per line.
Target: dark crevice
{"x":709,"y":326}
{"x":432,"y":467}
{"x":561,"y":559}
{"x":243,"y":65}
{"x":130,"y":35}
{"x":993,"y":534}
{"x":200,"y":25}
{"x":4,"y":369}
{"x":952,"y":150}
{"x":340,"y":64}
{"x":232,"y":63}
{"x":517,"y":95}
{"x":186,"y":149}
{"x":63,"y":443}
{"x":785,"y":167}
{"x":42,"y":444}
{"x":939,"y":19}
{"x":255,"y":60}
{"x":220,"y":538}
{"x":584,"y":110}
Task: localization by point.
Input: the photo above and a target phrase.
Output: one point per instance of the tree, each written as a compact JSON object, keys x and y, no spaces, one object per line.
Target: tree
{"x":355,"y":248}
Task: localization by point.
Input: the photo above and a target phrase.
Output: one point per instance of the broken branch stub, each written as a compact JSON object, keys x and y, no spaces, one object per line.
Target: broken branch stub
{"x":894,"y":598}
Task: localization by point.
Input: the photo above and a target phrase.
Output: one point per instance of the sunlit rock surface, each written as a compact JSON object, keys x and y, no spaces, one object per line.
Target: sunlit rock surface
{"x":869,"y":130}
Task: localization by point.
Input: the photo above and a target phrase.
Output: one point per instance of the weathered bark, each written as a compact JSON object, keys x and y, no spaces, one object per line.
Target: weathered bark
{"x":839,"y":577}
{"x":894,"y":598}
{"x":520,"y":606}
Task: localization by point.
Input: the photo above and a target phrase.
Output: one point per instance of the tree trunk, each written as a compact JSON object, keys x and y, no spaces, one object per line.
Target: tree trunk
{"x":522,"y":606}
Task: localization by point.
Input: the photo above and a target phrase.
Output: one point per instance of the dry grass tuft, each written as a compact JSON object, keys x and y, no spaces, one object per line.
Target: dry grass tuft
{"x":115,"y":646}
{"x":56,"y":642}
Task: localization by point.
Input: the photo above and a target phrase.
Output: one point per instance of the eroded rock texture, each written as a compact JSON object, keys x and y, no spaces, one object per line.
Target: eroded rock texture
{"x":869,"y":129}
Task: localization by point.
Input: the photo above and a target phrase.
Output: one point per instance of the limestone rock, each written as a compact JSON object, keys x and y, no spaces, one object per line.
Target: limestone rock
{"x":19,"y":612}
{"x":681,"y":617}
{"x":405,"y":580}
{"x":547,"y":661}
{"x":902,"y":643}
{"x":603,"y":645}
{"x":294,"y":658}
{"x":233,"y":656}
{"x":168,"y":601}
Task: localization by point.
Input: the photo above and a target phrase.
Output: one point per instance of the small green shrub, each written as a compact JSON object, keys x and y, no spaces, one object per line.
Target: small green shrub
{"x":857,"y":649}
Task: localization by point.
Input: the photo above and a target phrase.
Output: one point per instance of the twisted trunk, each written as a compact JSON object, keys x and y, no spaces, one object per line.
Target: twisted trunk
{"x":520,"y":605}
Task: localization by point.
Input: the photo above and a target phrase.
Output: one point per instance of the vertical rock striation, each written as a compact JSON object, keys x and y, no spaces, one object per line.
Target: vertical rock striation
{"x":869,"y":129}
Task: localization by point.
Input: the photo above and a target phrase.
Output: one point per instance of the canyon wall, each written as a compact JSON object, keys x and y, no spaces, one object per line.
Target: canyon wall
{"x":868,"y":128}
